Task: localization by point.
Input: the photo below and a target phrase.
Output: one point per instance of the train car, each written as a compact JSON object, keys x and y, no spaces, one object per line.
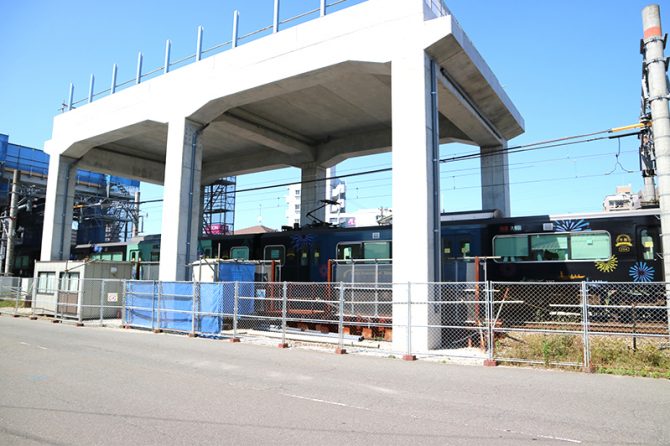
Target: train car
{"x":612,"y":247}
{"x":622,"y":246}
{"x":304,"y":254}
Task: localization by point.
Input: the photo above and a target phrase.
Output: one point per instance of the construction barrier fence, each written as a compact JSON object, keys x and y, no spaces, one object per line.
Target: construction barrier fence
{"x":606,"y":326}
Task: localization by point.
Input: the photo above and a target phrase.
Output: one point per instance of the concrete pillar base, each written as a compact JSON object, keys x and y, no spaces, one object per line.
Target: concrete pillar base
{"x":79,"y":324}
{"x":282,"y":345}
{"x":192,"y":335}
{"x":55,"y":321}
{"x":33,"y":318}
{"x":234,"y":340}
{"x":340,"y":351}
{"x":409,"y":357}
{"x":157,"y":330}
{"x":490,"y":363}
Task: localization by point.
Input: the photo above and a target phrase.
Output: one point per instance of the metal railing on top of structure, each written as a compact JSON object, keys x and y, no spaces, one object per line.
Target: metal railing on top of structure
{"x":169,"y":64}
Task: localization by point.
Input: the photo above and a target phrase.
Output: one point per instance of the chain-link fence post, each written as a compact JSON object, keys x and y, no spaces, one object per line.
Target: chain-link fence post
{"x":340,"y":350}
{"x":587,"y":366}
{"x":284,"y":311}
{"x":18,"y":295}
{"x":124,"y":304}
{"x":153,"y":307}
{"x":409,"y":356}
{"x":33,"y":302}
{"x":195,"y":292}
{"x":489,"y":295}
{"x":80,"y":304}
{"x":102,"y":302}
{"x":236,"y":299}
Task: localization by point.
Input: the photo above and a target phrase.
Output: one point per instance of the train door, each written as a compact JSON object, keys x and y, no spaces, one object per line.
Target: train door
{"x":648,"y":267}
{"x":458,"y":248}
{"x":302,"y":257}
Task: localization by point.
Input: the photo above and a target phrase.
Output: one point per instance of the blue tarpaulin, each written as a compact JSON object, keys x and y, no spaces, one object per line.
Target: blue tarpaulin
{"x":174,"y":309}
{"x":169,"y":305}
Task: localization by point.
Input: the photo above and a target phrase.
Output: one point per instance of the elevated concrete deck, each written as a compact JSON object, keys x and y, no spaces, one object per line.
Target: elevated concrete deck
{"x":316,"y":93}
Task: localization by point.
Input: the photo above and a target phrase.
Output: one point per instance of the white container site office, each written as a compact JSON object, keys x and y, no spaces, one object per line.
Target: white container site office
{"x":77,"y":289}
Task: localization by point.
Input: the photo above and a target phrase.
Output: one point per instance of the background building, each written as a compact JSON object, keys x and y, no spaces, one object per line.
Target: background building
{"x":104,"y":210}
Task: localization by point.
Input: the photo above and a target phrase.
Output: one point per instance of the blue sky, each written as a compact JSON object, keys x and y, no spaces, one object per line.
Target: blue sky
{"x":570,"y":68}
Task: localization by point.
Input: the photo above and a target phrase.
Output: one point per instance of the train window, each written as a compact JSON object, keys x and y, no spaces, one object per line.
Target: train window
{"x":46,"y":283}
{"x":347,"y":251}
{"x":647,"y":243}
{"x":274,"y":252}
{"x":377,"y":250}
{"x":549,"y":247}
{"x":511,"y":248}
{"x":590,"y":246}
{"x":239,"y":252}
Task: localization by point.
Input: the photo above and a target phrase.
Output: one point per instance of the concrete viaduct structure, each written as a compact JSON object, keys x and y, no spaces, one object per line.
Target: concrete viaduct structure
{"x":382,"y":74}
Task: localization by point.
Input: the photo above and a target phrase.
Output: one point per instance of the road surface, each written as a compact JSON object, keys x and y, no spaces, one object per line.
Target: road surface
{"x":61,"y":384}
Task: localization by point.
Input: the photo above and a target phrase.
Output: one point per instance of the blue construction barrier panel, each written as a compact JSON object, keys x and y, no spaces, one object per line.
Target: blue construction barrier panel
{"x":140,"y":303}
{"x":211,"y":301}
{"x":243,"y":273}
{"x":176,"y":306}
{"x":236,"y":272}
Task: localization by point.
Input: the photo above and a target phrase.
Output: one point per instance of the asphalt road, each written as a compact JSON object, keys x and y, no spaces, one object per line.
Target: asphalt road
{"x":60,"y":384}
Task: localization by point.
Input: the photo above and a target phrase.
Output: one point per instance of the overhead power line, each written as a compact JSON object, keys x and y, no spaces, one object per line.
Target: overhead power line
{"x":540,"y":145}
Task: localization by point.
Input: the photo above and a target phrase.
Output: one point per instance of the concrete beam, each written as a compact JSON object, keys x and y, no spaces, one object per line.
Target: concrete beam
{"x":103,"y":161}
{"x":256,"y":132}
{"x":259,"y":161}
{"x":462,"y":111}
{"x":359,"y":144}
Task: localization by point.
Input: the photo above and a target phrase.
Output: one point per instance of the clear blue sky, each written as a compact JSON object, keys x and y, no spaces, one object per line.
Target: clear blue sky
{"x":569,"y":66}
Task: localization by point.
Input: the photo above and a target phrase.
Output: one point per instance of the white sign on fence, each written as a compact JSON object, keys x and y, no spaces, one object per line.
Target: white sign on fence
{"x":112,"y":297}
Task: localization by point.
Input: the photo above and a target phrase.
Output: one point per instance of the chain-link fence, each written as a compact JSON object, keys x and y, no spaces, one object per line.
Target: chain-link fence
{"x":612,"y":327}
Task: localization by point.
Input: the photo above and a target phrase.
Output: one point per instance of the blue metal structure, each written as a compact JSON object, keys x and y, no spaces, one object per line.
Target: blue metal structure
{"x":91,"y":187}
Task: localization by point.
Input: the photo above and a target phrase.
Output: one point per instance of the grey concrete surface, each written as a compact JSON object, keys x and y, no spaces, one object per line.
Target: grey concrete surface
{"x":61,"y":384}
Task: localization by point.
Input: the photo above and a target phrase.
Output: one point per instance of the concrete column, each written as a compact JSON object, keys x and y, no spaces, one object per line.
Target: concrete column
{"x":57,"y":231}
{"x":495,"y":178}
{"x":313,"y":190}
{"x":416,"y":238}
{"x":181,"y":199}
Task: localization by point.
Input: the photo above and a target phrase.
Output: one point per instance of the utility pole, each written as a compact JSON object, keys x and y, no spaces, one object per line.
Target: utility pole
{"x":657,"y":65}
{"x":13,"y":213}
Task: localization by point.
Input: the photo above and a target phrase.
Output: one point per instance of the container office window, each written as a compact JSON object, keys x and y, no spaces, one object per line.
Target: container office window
{"x":590,"y":246}
{"x":69,"y":281}
{"x":239,"y":252}
{"x":274,"y":252}
{"x":46,"y":283}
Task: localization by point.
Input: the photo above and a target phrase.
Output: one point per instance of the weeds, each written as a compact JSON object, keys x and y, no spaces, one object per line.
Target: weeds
{"x":609,"y":355}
